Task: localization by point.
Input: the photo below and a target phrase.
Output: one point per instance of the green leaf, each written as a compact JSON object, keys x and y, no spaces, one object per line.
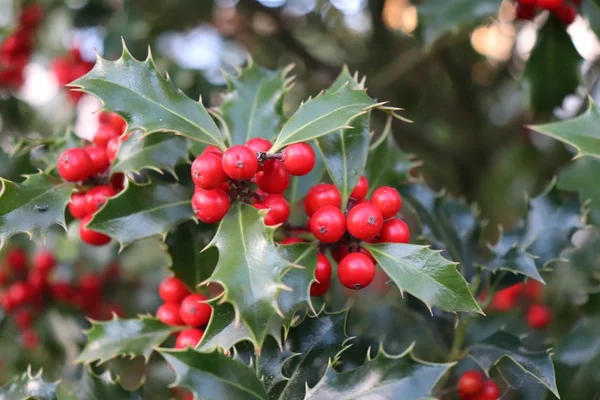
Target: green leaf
{"x":591,"y":11}
{"x":141,"y":211}
{"x":251,"y":275}
{"x":214,"y":375}
{"x":503,"y":345}
{"x":384,"y":377}
{"x":398,"y":164}
{"x":156,"y":152}
{"x":95,"y":387}
{"x":582,"y":344}
{"x":223,"y":330}
{"x":13,"y":166}
{"x":326,"y":113}
{"x":252,"y":108}
{"x":579,"y":176}
{"x":513,"y":259}
{"x":148,"y":101}
{"x":425,"y":274}
{"x":269,"y":363}
{"x":124,"y":337}
{"x":29,"y":386}
{"x":553,"y":41}
{"x":33,"y":206}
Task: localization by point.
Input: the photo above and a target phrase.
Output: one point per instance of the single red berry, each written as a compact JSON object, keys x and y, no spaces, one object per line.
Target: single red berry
{"x":539,"y":316}
{"x":489,"y":391}
{"x":259,"y":145}
{"x":270,"y":218}
{"x":239,"y":162}
{"x":576,"y":2}
{"x":328,"y":224}
{"x":280,"y":209}
{"x":361,"y":189}
{"x":97,"y":196}
{"x":323,"y":269}
{"x":299,"y":159}
{"x":525,"y":12}
{"x":533,"y":289}
{"x":172,"y":290}
{"x":168,"y":314}
{"x":104,"y":134}
{"x":62,"y":291}
{"x":117,"y":181}
{"x":339,"y":252}
{"x":549,"y":4}
{"x":274,"y":178}
{"x":7,"y":303}
{"x":37,"y":280}
{"x":118,"y":123}
{"x":4,"y":275}
{"x":23,"y":318}
{"x":188,"y":338}
{"x":29,"y":338}
{"x":506,"y":299}
{"x":566,"y":13}
{"x":44,"y":261}
{"x":74,"y":165}
{"x":112,"y":148}
{"x":207,"y":172}
{"x":364,"y":221}
{"x":20,"y":293}
{"x":388,"y":200}
{"x":368,"y":254}
{"x":31,"y":15}
{"x":214,"y":150}
{"x":89,"y":236}
{"x":194,"y":311}
{"x":90,"y":284}
{"x":78,"y":205}
{"x":470,"y":383}
{"x":319,"y":289}
{"x":395,"y":231}
{"x":356,"y":271}
{"x":16,"y":259}
{"x":210,"y":206}
{"x":99,"y":159}
{"x":321,"y":195}
{"x":291,"y":240}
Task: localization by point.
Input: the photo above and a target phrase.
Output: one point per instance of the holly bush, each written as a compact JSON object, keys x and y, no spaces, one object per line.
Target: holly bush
{"x":296,"y":233}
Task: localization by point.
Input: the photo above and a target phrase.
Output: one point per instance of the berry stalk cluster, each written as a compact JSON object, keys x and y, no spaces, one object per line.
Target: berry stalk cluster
{"x":564,"y":10}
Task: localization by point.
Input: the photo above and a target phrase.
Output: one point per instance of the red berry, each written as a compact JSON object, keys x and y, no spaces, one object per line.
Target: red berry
{"x":112,"y":147}
{"x":533,"y":289}
{"x":90,"y":284}
{"x":20,"y":293}
{"x":194,"y":312}
{"x":29,"y":338}
{"x":62,"y":291}
{"x":299,"y":159}
{"x":364,"y":221}
{"x":470,"y":383}
{"x":539,"y":316}
{"x":44,"y":261}
{"x":319,"y":289}
{"x":525,"y":12}
{"x":269,"y":218}
{"x":280,"y":209}
{"x":323,"y":269}
{"x":214,"y":150}
{"x":168,"y":314}
{"x":23,"y":318}
{"x":506,"y":299}
{"x":291,"y":240}
{"x":89,"y":236}
{"x":78,"y":205}
{"x":31,"y":15}
{"x":16,"y":258}
{"x":566,"y":13}
{"x":117,"y":181}
{"x":74,"y":165}
{"x":210,"y":206}
{"x":274,"y":178}
{"x":356,"y":271}
{"x":489,"y":391}
{"x":527,"y":2}
{"x":394,"y":231}
{"x":549,"y":4}
{"x":207,"y":172}
{"x":339,"y":252}
{"x":368,"y":254}
{"x":388,"y":200}
{"x":239,"y":162}
{"x":321,"y":195}
{"x":361,"y":189}
{"x":328,"y":224}
{"x":37,"y":280}
{"x":99,"y":159}
{"x":7,"y":303}
{"x":97,"y":196}
{"x":172,"y":290}
{"x":104,"y":134}
{"x":188,"y":338}
{"x":259,"y":145}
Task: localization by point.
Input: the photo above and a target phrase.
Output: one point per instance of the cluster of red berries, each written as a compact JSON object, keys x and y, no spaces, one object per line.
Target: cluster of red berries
{"x":529,"y":294}
{"x":472,"y":385}
{"x":69,"y":67}
{"x":223,"y":177}
{"x":90,"y":166}
{"x":16,"y":48}
{"x":564,"y":10}
{"x":183,"y":308}
{"x":26,"y":291}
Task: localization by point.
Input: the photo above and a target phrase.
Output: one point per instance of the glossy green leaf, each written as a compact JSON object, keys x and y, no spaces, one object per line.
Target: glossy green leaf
{"x":142,"y":211}
{"x":541,"y":68}
{"x":582,"y":344}
{"x":250,"y":276}
{"x":252,"y":108}
{"x":224,"y":330}
{"x":29,"y":386}
{"x":513,"y":259}
{"x":579,"y":176}
{"x":503,"y":345}
{"x":147,"y":100}
{"x":33,"y":206}
{"x":384,"y":377}
{"x":214,"y":375}
{"x":156,"y":152}
{"x":326,"y":113}
{"x":425,"y":274}
{"x":123,"y":337}
{"x":269,"y":362}
{"x":95,"y":387}
{"x":13,"y":166}
{"x":398,"y":164}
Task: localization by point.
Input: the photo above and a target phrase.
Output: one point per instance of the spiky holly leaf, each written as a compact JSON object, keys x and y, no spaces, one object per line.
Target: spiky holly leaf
{"x":123,"y":337}
{"x":147,"y":100}
{"x":251,"y":276}
{"x":141,"y":211}
{"x":514,"y":259}
{"x":383,"y":377}
{"x":552,"y":39}
{"x":214,"y":375}
{"x":579,"y":176}
{"x":269,"y":362}
{"x":315,"y":341}
{"x":425,"y":274}
{"x":33,"y":206}
{"x":503,"y":345}
{"x":13,"y":166}
{"x":223,"y":329}
{"x":252,"y":108}
{"x":156,"y":152}
{"x":326,"y":113}
{"x":90,"y":386}
{"x":29,"y":386}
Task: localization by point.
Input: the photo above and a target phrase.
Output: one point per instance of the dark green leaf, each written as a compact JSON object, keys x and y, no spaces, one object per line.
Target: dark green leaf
{"x":300,"y":185}
{"x":580,"y":176}
{"x":582,"y":344}
{"x":223,"y":330}
{"x":12,"y":167}
{"x":29,"y":386}
{"x":398,"y":164}
{"x":95,"y":387}
{"x":591,"y":11}
{"x":515,"y":260}
{"x":269,"y":363}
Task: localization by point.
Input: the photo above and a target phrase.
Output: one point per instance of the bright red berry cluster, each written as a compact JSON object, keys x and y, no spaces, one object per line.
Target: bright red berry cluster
{"x":16,"y":48}
{"x":249,"y":174}
{"x":183,"y":308}
{"x":564,"y":10}
{"x":69,"y":67}
{"x":528,"y":294}
{"x":472,"y":385}
{"x":90,"y":166}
